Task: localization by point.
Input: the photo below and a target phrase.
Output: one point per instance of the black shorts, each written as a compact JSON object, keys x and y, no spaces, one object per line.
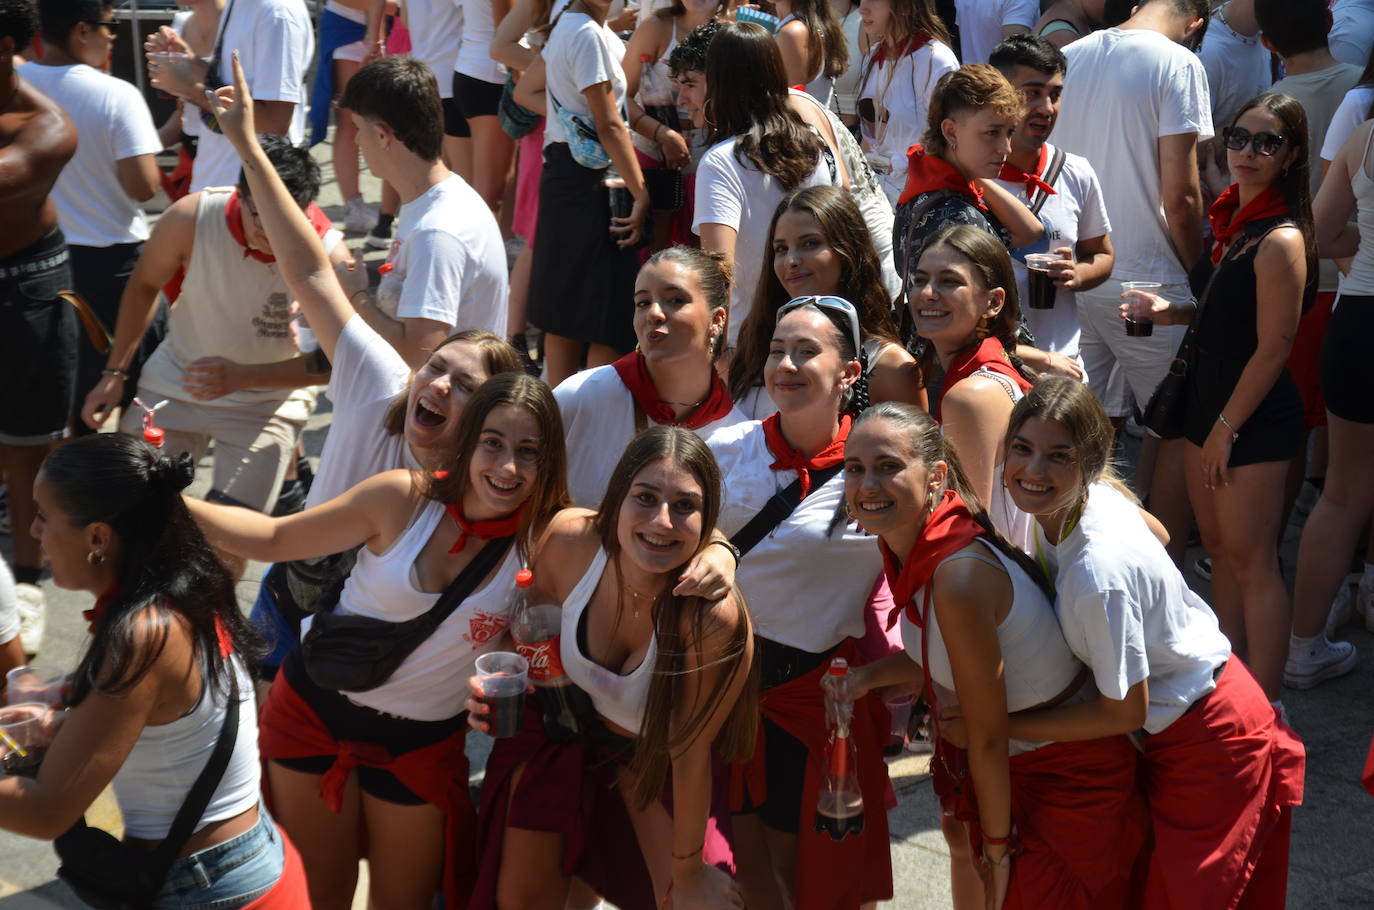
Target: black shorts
{"x":347,"y":721}
{"x":454,"y":123}
{"x":476,"y":97}
{"x":1345,"y":376}
{"x":38,"y":344}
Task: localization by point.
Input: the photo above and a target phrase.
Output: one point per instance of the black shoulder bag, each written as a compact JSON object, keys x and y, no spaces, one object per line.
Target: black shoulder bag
{"x":775,"y":510}
{"x":358,"y":653}
{"x":110,"y":875}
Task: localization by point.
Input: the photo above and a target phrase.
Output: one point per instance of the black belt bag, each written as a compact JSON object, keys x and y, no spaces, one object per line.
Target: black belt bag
{"x":358,"y":653}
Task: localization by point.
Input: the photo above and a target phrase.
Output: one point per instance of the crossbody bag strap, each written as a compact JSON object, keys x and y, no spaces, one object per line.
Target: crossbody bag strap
{"x":775,"y":511}
{"x":218,"y":56}
{"x":467,"y":581}
{"x":1050,"y":176}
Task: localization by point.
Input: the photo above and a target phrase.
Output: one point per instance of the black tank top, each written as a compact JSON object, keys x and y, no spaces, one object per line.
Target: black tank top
{"x":1227,"y":326}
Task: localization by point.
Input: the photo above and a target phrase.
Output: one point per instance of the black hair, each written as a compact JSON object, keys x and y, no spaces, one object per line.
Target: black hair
{"x":1293,"y":26}
{"x":1192,"y":9}
{"x":295,"y":166}
{"x":18,"y":20}
{"x":165,"y":565}
{"x":401,"y":92}
{"x":689,"y":56}
{"x":1031,"y":51}
{"x":58,"y":18}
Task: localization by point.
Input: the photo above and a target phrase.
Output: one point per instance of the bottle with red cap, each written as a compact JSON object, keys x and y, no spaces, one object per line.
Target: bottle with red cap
{"x":536,"y":625}
{"x":656,"y":95}
{"x":840,"y":806}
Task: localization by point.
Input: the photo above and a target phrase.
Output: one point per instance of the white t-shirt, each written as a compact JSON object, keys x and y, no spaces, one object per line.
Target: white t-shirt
{"x":190,"y":114}
{"x":448,"y":261}
{"x":1125,"y":89}
{"x":981,"y":23}
{"x":904,"y":91}
{"x":1127,"y":612}
{"x":1075,"y":212}
{"x":578,"y":55}
{"x":805,"y":588}
{"x":474,"y":53}
{"x":112,"y":123}
{"x":276,"y":42}
{"x":598,"y":422}
{"x":1350,"y":113}
{"x":738,"y":196}
{"x":436,"y":31}
{"x":1352,"y":31}
{"x":1237,"y":69}
{"x":9,"y":604}
{"x":367,"y":374}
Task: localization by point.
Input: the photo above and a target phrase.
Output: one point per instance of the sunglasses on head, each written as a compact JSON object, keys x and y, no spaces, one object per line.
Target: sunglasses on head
{"x":827,"y":302}
{"x":1236,"y":138}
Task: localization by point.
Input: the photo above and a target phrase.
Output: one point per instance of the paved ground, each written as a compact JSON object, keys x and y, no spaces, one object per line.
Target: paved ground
{"x":1333,"y":838}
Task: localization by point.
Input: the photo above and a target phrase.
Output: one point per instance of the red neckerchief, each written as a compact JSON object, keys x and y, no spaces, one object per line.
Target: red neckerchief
{"x":987,"y":353}
{"x":926,"y":173}
{"x":1227,"y":222}
{"x":948,"y":530}
{"x":482,"y":530}
{"x":910,"y":45}
{"x":1013,"y":174}
{"x":633,"y":371}
{"x":318,"y":220}
{"x":789,"y":458}
{"x":96,"y":614}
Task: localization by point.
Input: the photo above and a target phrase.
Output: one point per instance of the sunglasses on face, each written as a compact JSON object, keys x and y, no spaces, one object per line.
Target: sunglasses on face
{"x":1237,"y":138}
{"x":109,"y":25}
{"x":827,"y":302}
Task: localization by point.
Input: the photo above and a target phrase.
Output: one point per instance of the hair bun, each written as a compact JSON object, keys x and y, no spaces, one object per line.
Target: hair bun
{"x":173,"y":473}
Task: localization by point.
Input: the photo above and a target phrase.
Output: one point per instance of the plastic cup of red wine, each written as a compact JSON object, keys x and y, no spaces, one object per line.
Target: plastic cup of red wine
{"x":504,"y":676}
{"x":25,"y":736}
{"x":900,"y":710}
{"x":36,"y":683}
{"x":1140,"y":328}
{"x":1041,"y":286}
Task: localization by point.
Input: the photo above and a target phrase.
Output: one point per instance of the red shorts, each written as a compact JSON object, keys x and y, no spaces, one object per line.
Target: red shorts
{"x":1304,"y":361}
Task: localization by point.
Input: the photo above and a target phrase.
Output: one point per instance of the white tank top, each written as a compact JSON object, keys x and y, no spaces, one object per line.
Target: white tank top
{"x":618,"y":698}
{"x":1037,"y":662}
{"x":431,"y":683}
{"x":1361,"y":278}
{"x":822,"y":88}
{"x":154,"y":780}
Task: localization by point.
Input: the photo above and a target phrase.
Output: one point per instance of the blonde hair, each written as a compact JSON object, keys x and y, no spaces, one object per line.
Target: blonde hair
{"x":972,"y":87}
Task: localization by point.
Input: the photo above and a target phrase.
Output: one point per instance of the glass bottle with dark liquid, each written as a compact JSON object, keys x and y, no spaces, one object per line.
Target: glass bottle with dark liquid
{"x":840,"y":806}
{"x":536,"y":628}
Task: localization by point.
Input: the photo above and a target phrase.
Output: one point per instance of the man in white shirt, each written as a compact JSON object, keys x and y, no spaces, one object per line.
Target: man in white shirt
{"x":447,"y":263}
{"x":983,"y":23}
{"x":113,"y":170}
{"x":1077,"y":230}
{"x":1238,"y":69}
{"x":275,"y":43}
{"x":1352,"y":30}
{"x":1136,"y":104}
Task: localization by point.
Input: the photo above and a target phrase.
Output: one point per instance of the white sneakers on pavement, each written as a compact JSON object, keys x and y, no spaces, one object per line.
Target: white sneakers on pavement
{"x":359,"y":217}
{"x":1317,"y":660}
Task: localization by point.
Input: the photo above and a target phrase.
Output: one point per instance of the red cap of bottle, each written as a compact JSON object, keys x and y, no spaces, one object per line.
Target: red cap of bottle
{"x":154,"y":436}
{"x":839,"y":667}
{"x":384,"y":268}
{"x":524,"y":578}
{"x":645,"y":58}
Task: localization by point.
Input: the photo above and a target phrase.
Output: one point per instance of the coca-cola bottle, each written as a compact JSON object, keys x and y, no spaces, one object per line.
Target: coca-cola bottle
{"x":536,"y":627}
{"x":656,"y":94}
{"x":840,"y":806}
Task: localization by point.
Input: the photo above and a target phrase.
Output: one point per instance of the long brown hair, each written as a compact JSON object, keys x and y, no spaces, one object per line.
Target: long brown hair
{"x":1295,"y":183}
{"x":861,"y":281}
{"x":747,"y":100}
{"x":498,"y":356}
{"x":551,"y":484}
{"x":826,"y":45}
{"x":681,"y":624}
{"x":912,"y":16}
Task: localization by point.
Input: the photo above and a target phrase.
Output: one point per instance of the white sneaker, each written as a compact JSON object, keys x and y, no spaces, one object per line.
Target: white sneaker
{"x":1343,"y":606}
{"x":33,"y":611}
{"x":378,"y":239}
{"x":360,"y":216}
{"x":1322,"y":661}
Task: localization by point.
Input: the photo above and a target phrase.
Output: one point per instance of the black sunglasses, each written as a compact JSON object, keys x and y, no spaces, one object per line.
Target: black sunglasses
{"x":110,"y":25}
{"x":1237,"y":138}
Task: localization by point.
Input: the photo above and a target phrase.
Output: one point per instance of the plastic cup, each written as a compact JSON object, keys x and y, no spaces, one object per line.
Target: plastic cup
{"x":1043,"y":290}
{"x":38,"y":683}
{"x":25,"y":735}
{"x":504,"y":676}
{"x":900,"y":709}
{"x":1140,"y":328}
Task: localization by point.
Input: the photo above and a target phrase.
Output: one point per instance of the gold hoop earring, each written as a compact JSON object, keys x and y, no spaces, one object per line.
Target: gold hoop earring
{"x":95,"y":558}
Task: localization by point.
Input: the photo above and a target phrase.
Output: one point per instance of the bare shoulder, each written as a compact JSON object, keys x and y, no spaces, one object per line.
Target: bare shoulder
{"x":977,"y":397}
{"x":567,"y":544}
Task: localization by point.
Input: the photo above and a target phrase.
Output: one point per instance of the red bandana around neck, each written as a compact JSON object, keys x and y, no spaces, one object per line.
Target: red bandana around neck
{"x":789,"y":458}
{"x":318,"y":220}
{"x":1227,"y":222}
{"x":910,"y":45}
{"x":987,"y":353}
{"x":1013,"y":174}
{"x":633,"y":371}
{"x":927,"y":173}
{"x":948,"y":530}
{"x":482,"y":530}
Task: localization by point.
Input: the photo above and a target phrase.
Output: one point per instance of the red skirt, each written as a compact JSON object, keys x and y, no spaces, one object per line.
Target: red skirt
{"x":1221,"y":783}
{"x":1079,"y":817}
{"x":290,"y":891}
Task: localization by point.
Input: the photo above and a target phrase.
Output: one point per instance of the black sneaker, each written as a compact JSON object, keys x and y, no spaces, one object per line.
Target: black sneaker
{"x":1203,"y":567}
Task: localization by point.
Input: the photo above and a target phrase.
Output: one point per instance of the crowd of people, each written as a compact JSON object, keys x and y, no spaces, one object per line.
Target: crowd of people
{"x":785,"y":352}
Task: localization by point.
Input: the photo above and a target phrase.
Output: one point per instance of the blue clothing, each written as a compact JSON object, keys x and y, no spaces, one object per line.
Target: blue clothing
{"x":335,"y":32}
{"x":227,"y":875}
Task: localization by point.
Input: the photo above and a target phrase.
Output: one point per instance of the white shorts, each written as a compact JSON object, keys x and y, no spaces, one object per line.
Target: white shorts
{"x":353,"y":53}
{"x":1123,"y":371}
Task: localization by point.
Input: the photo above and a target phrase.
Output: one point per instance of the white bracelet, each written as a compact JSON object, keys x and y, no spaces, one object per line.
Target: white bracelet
{"x":1235,"y":434}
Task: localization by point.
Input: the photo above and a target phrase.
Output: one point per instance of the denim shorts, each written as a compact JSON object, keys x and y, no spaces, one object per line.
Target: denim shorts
{"x":38,"y":344}
{"x":228,"y":875}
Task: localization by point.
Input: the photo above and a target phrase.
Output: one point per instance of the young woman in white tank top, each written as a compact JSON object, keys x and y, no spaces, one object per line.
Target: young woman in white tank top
{"x":418,"y":531}
{"x":670,"y":677}
{"x":1046,"y":824}
{"x":813,"y":46}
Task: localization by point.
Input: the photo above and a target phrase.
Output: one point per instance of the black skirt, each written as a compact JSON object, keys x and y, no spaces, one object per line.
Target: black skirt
{"x":581,"y":283}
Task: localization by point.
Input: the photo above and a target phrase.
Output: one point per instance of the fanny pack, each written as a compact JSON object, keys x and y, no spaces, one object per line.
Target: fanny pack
{"x":108,"y":874}
{"x":583,"y":142}
{"x":517,"y":121}
{"x":348,"y":653}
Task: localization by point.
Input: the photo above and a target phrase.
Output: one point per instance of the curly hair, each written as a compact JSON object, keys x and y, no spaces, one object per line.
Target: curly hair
{"x":18,"y":20}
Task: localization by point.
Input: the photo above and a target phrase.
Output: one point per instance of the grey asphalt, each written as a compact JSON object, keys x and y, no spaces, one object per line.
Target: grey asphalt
{"x":1332,"y":863}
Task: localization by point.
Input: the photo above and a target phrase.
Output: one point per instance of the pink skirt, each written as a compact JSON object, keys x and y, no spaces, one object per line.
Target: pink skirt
{"x":531,"y":167}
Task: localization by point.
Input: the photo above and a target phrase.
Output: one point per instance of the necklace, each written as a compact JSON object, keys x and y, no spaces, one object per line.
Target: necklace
{"x":686,"y":404}
{"x":638,"y":596}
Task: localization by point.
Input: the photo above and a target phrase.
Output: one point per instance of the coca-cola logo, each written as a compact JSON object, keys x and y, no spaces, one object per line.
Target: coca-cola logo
{"x":545,"y":661}
{"x":483,"y":627}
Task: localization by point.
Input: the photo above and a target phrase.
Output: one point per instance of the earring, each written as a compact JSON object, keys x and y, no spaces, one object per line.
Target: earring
{"x":95,"y":558}
{"x":983,"y":329}
{"x":1283,"y":173}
